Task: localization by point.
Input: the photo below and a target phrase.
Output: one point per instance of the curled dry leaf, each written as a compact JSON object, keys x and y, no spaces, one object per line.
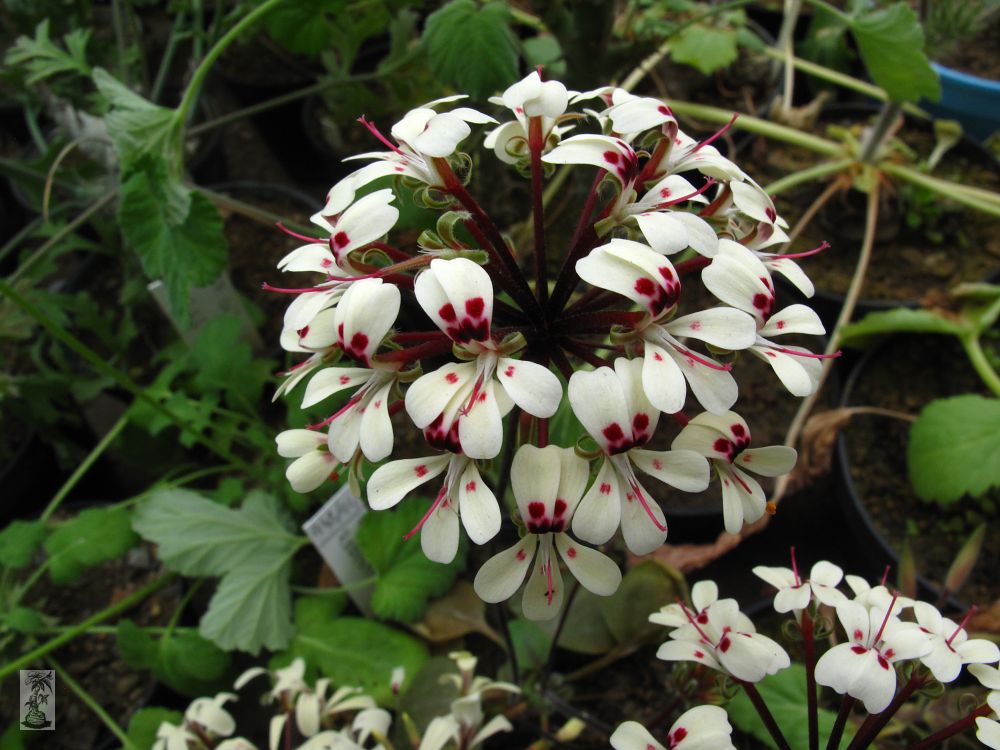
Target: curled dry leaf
{"x":458,"y":613}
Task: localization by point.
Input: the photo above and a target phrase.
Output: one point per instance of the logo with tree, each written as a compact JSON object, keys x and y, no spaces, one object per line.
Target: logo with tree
{"x":37,"y":686}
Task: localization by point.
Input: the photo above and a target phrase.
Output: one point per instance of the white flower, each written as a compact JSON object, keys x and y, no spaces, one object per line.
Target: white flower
{"x":313,"y":464}
{"x":457,"y":294}
{"x":951,"y":646}
{"x":988,"y":730}
{"x":725,"y":440}
{"x":723,"y":638}
{"x":796,"y":594}
{"x":547,"y":483}
{"x":528,"y":98}
{"x":862,"y":667}
{"x":675,"y":615}
{"x":463,"y":494}
{"x":613,"y":408}
{"x":698,"y":728}
{"x":633,"y":270}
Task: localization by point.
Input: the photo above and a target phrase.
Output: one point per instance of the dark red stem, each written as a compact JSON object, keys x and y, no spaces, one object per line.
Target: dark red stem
{"x":838,"y":725}
{"x":765,"y":714}
{"x":536,"y":144}
{"x":598,"y":321}
{"x":692,"y":264}
{"x":567,"y":278}
{"x":585,"y":354}
{"x":413,"y":353}
{"x":809,"y":646}
{"x":875,"y":723}
{"x":934,"y":740}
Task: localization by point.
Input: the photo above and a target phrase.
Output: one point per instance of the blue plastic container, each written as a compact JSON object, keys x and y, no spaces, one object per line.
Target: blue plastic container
{"x":973,"y":101}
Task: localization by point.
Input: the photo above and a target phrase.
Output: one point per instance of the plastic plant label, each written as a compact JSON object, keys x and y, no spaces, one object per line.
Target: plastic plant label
{"x":332,"y":530}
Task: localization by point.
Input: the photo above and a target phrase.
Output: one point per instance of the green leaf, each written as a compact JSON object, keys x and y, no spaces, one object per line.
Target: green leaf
{"x":23,"y":620}
{"x":472,"y":47}
{"x":707,"y":49}
{"x":182,"y":660}
{"x":144,"y":723}
{"x":43,"y":58}
{"x":406,"y":578}
{"x":954,"y":449}
{"x":12,"y":737}
{"x":250,"y":548}
{"x":891,"y":42}
{"x":544,"y":50}
{"x":428,"y":694}
{"x":899,"y":320}
{"x":354,"y":651}
{"x":19,"y":541}
{"x":219,"y":352}
{"x":94,"y":536}
{"x":531,"y":643}
{"x":785,"y":696}
{"x":176,"y":232}
{"x":644,"y":590}
{"x":138,"y":128}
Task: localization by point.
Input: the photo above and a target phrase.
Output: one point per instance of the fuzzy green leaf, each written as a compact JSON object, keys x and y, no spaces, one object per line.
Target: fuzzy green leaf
{"x":250,"y":548}
{"x":898,"y":320}
{"x":94,"y":536}
{"x":43,"y":58}
{"x":785,"y":695}
{"x":705,"y":48}
{"x":19,"y":541}
{"x":354,"y":651}
{"x":23,"y":620}
{"x":891,"y":42}
{"x":406,"y":578}
{"x":176,"y":232}
{"x":182,"y":660}
{"x":137,"y":126}
{"x":954,"y":448}
{"x":472,"y":47}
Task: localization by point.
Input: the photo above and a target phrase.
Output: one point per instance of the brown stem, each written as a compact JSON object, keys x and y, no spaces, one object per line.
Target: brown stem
{"x":567,"y":278}
{"x":814,"y":207}
{"x":765,"y":714}
{"x":599,"y":321}
{"x":875,"y":723}
{"x":935,"y":740}
{"x":535,"y":144}
{"x":838,"y":726}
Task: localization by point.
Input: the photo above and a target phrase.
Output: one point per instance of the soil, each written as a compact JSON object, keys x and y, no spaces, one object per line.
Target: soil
{"x":93,"y":660}
{"x":924,"y":244}
{"x":876,"y":451}
{"x":977,"y":56}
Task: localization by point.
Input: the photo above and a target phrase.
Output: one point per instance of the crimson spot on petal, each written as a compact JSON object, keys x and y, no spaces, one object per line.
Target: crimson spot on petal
{"x":475,"y":306}
{"x":340,"y":239}
{"x":645,"y":287}
{"x":613,"y":432}
{"x":447,"y":312}
{"x":470,"y":487}
{"x":536,"y":509}
{"x":420,"y":470}
{"x":560,"y":506}
{"x":571,"y":552}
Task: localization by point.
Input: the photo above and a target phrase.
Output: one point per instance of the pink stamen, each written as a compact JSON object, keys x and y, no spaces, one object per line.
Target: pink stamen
{"x":795,"y":568}
{"x":708,"y":183}
{"x":691,"y":620}
{"x":298,"y":236}
{"x":375,"y":132}
{"x":281,"y":290}
{"x":823,"y":246}
{"x":961,"y":626}
{"x":885,"y":574}
{"x":476,"y":389}
{"x":808,"y":355}
{"x":351,"y":402}
{"x":294,"y":367}
{"x":717,"y":134}
{"x":700,"y":361}
{"x":548,"y":580}
{"x":645,"y":507}
{"x":434,"y":505}
{"x":885,"y":620}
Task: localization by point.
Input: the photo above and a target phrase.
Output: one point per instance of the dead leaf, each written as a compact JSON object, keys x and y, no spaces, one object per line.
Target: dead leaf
{"x":458,"y":613}
{"x":816,"y":447}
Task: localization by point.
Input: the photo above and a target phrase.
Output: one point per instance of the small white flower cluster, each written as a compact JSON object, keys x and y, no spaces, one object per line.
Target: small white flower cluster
{"x":347,"y":719}
{"x":506,"y":351}
{"x":879,"y":630}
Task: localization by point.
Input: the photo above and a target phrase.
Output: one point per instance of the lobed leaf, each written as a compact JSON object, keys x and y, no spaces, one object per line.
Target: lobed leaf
{"x":891,"y":42}
{"x":899,"y":320}
{"x":92,"y":537}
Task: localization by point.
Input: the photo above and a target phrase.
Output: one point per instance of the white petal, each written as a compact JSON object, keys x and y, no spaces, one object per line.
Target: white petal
{"x":663,"y":232}
{"x":793,"y":319}
{"x":497,"y":724}
{"x":988,"y":732}
{"x":480,"y":431}
{"x":332,"y":380}
{"x":769,"y":461}
{"x":345,"y":434}
{"x":598,"y":401}
{"x":780,"y":578}
{"x":307,"y":713}
{"x":794,"y":273}
{"x":715,"y":389}
{"x":439,"y":534}
{"x":441,"y":135}
{"x":533,"y":387}
{"x":314,"y":257}
{"x":427,"y":397}
{"x":800,"y":375}
{"x":275,"y":729}
{"x":686,"y":470}
{"x":701,"y":236}
{"x":391,"y":482}
{"x":310,"y":471}
{"x":596,"y":572}
{"x":677,"y":650}
{"x":364,"y":316}
{"x":533,"y":477}
{"x":643,"y":416}
{"x":826,"y":573}
{"x":703,"y":594}
{"x":633,"y":270}
{"x":477,"y":505}
{"x":509,"y":142}
{"x":723,"y":327}
{"x":751,"y":656}
{"x":295,"y":443}
{"x":600,"y":151}
{"x":742,"y":499}
{"x":599,"y":512}
{"x":457,"y":294}
{"x":368,"y":219}
{"x":543,"y":596}
{"x":631,"y":735}
{"x":792,"y":598}
{"x":376,"y":426}
{"x":662,"y":380}
{"x":642,"y":534}
{"x":440,"y":731}
{"x":502,"y":574}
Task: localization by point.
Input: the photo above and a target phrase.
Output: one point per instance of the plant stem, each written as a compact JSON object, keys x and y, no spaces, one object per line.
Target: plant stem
{"x":101,"y":366}
{"x":814,"y":208}
{"x":846,"y":312}
{"x":567,"y":278}
{"x":191,"y":92}
{"x":875,"y":137}
{"x":786,"y":48}
{"x":875,"y":722}
{"x":981,"y":363}
{"x":85,"y":465}
{"x":88,"y":700}
{"x":550,"y":660}
{"x":536,"y":144}
{"x":841,"y":721}
{"x":817,"y":172}
{"x":809,"y":646}
{"x":121,"y":606}
{"x":757,"y":125}
{"x":765,"y":714}
{"x":982,"y":200}
{"x":936,"y":739}
{"x":59,"y":236}
{"x":168,"y":58}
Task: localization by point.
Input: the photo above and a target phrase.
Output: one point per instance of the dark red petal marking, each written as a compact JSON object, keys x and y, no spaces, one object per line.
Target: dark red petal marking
{"x":344,"y":380}
{"x":447,"y":312}
{"x":509,"y":372}
{"x":645,"y":287}
{"x":536,"y":509}
{"x":470,"y":487}
{"x":560,"y":506}
{"x":613,"y":432}
{"x":724,"y":644}
{"x":521,"y":554}
{"x":340,"y":239}
{"x":605,"y":488}
{"x":859,"y":649}
{"x":640,"y":422}
{"x":420,"y":470}
{"x":451,"y":377}
{"x":611,"y":157}
{"x":475,"y":306}
{"x":571,"y":552}
{"x":359,"y":341}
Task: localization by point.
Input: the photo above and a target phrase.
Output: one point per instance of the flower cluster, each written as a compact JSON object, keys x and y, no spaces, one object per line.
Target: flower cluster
{"x":619,"y":321}
{"x":881,"y":632}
